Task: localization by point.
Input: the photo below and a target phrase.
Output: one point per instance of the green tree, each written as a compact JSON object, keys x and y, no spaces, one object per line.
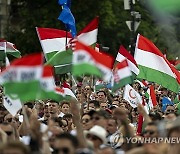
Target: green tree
{"x":28,"y":14}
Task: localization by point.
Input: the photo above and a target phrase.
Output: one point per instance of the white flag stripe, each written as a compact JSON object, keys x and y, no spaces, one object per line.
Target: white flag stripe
{"x":13,"y":106}
{"x":106,"y":72}
{"x":88,"y":38}
{"x":141,"y":57}
{"x":120,"y":57}
{"x":67,"y":91}
{"x":82,"y":56}
{"x":21,"y":74}
{"x":132,"y":66}
{"x":124,"y":72}
{"x":47,"y":83}
{"x":132,"y":96}
{"x":57,"y":44}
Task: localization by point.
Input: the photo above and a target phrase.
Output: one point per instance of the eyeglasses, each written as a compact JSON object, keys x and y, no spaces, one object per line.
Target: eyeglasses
{"x":150,"y":132}
{"x":9,"y":133}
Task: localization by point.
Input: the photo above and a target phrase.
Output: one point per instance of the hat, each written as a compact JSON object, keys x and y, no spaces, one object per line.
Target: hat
{"x":99,"y":132}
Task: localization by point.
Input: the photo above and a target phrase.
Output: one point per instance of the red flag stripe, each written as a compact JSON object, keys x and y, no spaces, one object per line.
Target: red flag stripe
{"x":51,"y":33}
{"x":91,"y":26}
{"x":101,"y":58}
{"x":126,"y":54}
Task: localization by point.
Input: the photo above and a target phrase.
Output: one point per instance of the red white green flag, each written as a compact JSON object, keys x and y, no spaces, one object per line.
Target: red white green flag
{"x":52,"y":40}
{"x":121,"y":75}
{"x":21,"y":78}
{"x":150,"y":94}
{"x":88,"y":61}
{"x":154,"y":66}
{"x":123,"y":53}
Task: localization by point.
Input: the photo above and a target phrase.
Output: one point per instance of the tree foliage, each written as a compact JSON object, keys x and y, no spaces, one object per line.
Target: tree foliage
{"x":28,"y":14}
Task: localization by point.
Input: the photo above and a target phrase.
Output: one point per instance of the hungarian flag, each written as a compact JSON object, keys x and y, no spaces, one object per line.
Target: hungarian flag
{"x":121,"y":75}
{"x":66,"y":93}
{"x":123,"y":53}
{"x":150,"y":94}
{"x":154,"y":66}
{"x":62,"y":60}
{"x":11,"y":49}
{"x":22,"y":78}
{"x":48,"y":87}
{"x":88,"y":61}
{"x":52,"y":40}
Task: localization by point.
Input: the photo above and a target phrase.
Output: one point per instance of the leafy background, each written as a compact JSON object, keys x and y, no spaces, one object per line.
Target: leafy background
{"x":25,"y":15}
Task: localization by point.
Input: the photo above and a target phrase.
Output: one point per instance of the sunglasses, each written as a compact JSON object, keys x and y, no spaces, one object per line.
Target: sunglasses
{"x":9,"y":133}
{"x":170,"y":111}
{"x":149,"y":132}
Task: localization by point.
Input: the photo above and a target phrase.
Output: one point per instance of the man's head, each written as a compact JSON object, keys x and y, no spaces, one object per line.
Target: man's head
{"x":14,"y":147}
{"x":65,"y":107}
{"x":151,"y":130}
{"x":8,"y":129}
{"x":103,"y":105}
{"x":100,"y":118}
{"x":66,"y":143}
{"x":170,"y":112}
{"x":112,"y":126}
{"x":101,"y":96}
{"x":53,"y":107}
{"x":94,"y":105}
{"x":97,"y":135}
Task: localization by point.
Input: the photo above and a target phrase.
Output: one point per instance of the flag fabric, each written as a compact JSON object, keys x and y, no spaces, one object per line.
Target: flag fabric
{"x":10,"y":49}
{"x":62,"y":61}
{"x":13,"y":106}
{"x":88,"y":61}
{"x":88,"y":35}
{"x":66,"y":93}
{"x":52,"y":40}
{"x":150,"y":94}
{"x":68,"y":19}
{"x":154,"y":66}
{"x":121,"y":75}
{"x":21,"y":78}
{"x":123,"y":53}
{"x":48,"y":86}
{"x":132,"y":96}
{"x":165,"y":102}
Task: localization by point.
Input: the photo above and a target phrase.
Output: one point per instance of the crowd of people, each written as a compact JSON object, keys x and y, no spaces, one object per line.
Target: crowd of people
{"x":97,"y":122}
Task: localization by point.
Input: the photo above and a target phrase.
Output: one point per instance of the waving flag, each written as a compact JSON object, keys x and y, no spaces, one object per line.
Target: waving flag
{"x":52,"y":41}
{"x":22,"y":78}
{"x":150,"y":94}
{"x":11,"y":49}
{"x":88,"y":61}
{"x":132,"y":96}
{"x":67,"y":18}
{"x":154,"y":66}
{"x":123,"y":53}
{"x":121,"y":75}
